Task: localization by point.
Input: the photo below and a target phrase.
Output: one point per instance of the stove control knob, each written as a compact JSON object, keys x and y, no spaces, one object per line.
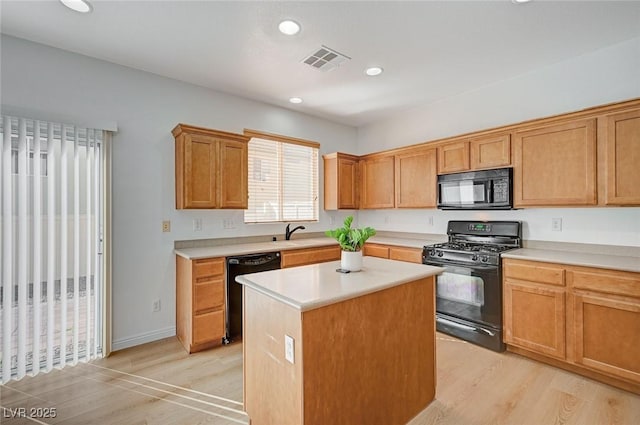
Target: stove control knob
{"x":474,"y":257}
{"x":432,"y":252}
{"x":440,"y":254}
{"x":484,"y":259}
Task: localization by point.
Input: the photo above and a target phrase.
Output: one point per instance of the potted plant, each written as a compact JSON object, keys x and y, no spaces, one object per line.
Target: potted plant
{"x":351,"y":241}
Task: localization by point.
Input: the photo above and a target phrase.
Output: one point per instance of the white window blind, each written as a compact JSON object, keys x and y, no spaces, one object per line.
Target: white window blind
{"x":50,"y":257}
{"x":283,"y":181}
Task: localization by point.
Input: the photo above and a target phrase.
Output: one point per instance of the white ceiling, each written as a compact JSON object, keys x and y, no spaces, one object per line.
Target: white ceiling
{"x":429,"y":49}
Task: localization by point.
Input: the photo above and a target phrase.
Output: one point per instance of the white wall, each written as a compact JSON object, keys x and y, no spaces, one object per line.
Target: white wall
{"x":146,"y":107}
{"x":604,"y":76}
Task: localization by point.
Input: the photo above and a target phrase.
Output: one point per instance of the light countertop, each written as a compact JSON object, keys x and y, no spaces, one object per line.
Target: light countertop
{"x":603,"y":261}
{"x":260,"y":247}
{"x":252,"y":248}
{"x":317,"y":285}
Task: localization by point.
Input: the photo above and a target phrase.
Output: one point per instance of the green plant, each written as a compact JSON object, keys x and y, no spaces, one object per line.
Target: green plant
{"x":348,"y":238}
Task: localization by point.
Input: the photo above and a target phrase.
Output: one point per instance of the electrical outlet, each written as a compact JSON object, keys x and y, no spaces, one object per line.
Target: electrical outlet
{"x":288,"y":349}
{"x":156,"y":305}
{"x":556,"y":224}
{"x":228,"y":223}
{"x":386,"y":219}
{"x":166,"y":226}
{"x":430,"y":220}
{"x":197,"y":224}
{"x":332,"y":219}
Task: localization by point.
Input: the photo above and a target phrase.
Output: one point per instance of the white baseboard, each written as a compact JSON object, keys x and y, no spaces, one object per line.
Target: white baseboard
{"x":143,"y":338}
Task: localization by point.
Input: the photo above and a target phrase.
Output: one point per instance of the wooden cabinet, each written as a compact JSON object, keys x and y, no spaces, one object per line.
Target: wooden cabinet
{"x":211,"y":168}
{"x":200,"y":302}
{"x":621,"y":135}
{"x":341,"y":182}
{"x":302,"y":257}
{"x":606,"y":321}
{"x":377,"y":182}
{"x":453,"y":157}
{"x":556,"y":165}
{"x":534,"y":307}
{"x":490,"y":151}
{"x":584,"y":319}
{"x":416,"y":179}
{"x":393,"y":252}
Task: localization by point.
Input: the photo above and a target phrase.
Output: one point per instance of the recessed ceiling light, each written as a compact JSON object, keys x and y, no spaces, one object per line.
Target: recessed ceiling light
{"x":295,"y":100}
{"x":520,"y":1}
{"x":289,"y":27}
{"x":81,"y":6}
{"x":373,"y":71}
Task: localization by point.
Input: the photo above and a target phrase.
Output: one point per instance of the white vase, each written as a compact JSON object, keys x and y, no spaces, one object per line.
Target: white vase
{"x":351,"y":261}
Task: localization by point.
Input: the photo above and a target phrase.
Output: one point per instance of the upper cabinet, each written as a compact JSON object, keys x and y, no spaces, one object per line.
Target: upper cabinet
{"x":211,"y":168}
{"x":415,"y":178}
{"x":621,"y":134}
{"x":377,"y":182}
{"x":490,"y":151}
{"x":341,"y":181}
{"x":453,"y":157}
{"x":485,"y":151}
{"x":556,"y":165}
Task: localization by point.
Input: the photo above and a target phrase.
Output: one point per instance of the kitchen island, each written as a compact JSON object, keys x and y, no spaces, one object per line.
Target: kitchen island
{"x":322,"y":347}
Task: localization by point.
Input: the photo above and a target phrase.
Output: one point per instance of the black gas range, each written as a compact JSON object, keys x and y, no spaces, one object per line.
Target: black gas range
{"x":469,"y":292}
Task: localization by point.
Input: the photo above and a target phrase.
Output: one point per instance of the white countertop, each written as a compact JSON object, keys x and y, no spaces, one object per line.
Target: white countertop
{"x":252,"y":248}
{"x":260,"y":247}
{"x":309,"y":287}
{"x":614,"y":262}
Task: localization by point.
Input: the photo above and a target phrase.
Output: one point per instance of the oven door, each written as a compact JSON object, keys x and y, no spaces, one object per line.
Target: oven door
{"x":472,"y":293}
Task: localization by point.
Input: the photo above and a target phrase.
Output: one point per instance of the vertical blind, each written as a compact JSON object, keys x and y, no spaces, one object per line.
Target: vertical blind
{"x":50,"y":290}
{"x":283,"y":182}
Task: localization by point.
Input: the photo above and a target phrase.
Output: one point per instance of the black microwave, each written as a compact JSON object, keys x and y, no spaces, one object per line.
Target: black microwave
{"x":476,"y":190}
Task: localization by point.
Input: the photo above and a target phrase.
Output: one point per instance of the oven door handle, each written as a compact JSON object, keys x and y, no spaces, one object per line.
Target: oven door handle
{"x":465,"y":327}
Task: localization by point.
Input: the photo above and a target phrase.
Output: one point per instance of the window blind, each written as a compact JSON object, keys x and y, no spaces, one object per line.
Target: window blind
{"x":50,"y":257}
{"x":283,"y":181}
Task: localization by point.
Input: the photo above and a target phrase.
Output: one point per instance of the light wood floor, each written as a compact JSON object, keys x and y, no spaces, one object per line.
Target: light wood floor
{"x":158,"y":383}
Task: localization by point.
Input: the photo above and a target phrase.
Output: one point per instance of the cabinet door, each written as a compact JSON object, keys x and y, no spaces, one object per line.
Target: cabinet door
{"x":453,"y":157}
{"x":534,"y":318}
{"x":415,"y":180}
{"x":375,"y":250}
{"x":233,"y":175}
{"x":377,"y":182}
{"x":208,"y":327}
{"x":622,"y":150}
{"x":556,"y":165}
{"x":410,"y":255}
{"x":200,"y":177}
{"x":607,"y":334}
{"x":302,"y":257}
{"x":347,"y":183}
{"x":491,"y":151}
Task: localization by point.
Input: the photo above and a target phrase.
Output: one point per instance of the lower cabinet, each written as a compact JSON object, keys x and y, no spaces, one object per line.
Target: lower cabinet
{"x":200,"y":302}
{"x":393,"y":252}
{"x":303,"y":257}
{"x":585,"y":318}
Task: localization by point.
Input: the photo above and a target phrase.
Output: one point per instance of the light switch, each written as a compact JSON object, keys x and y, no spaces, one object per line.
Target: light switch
{"x":288,"y":349}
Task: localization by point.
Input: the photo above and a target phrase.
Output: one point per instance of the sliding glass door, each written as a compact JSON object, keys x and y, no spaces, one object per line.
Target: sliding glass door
{"x":51,"y":291}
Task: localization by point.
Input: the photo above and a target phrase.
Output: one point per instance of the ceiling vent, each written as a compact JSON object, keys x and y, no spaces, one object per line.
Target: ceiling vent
{"x":325,"y":59}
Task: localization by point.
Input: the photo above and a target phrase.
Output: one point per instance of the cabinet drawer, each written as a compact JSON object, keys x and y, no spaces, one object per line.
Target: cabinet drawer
{"x":411,"y":255}
{"x":607,"y":281}
{"x":301,"y":257}
{"x":208,"y":267}
{"x":533,"y":271}
{"x":208,"y":295}
{"x":373,"y":250}
{"x":208,"y":327}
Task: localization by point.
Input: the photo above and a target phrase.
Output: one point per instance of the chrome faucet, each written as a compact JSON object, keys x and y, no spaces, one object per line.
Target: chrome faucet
{"x":288,"y":233}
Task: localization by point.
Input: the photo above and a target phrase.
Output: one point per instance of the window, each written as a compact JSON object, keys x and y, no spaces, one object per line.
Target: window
{"x":283,"y":179}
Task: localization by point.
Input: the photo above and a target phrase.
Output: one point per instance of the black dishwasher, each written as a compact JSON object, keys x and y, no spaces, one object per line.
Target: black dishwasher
{"x":237,"y":266}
